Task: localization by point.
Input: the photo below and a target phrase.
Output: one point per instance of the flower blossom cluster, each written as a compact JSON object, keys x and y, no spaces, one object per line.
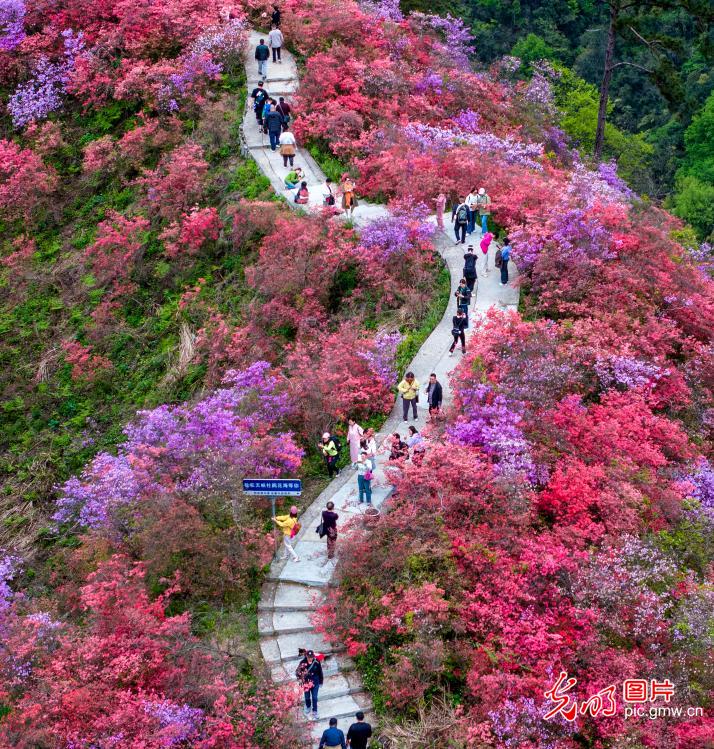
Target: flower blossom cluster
{"x":386,"y":10}
{"x":382,"y":356}
{"x":12,"y":24}
{"x":181,"y":723}
{"x":626,"y":372}
{"x":394,"y":235}
{"x":43,"y":93}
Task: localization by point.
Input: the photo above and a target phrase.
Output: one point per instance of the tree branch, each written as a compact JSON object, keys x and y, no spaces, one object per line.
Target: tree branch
{"x":632,"y":65}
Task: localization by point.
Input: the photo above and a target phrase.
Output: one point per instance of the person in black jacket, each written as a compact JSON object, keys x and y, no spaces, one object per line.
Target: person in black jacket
{"x":275,"y":16}
{"x":470,"y":267}
{"x":309,"y":674}
{"x":260,"y":95}
{"x":359,"y":733}
{"x":434,"y":395}
{"x":329,"y":528}
{"x":273,"y":123}
{"x":458,"y":322}
{"x":262,"y":53}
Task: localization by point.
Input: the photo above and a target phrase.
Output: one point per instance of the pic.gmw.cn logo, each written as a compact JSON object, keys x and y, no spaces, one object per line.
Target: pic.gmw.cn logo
{"x":636,"y":695}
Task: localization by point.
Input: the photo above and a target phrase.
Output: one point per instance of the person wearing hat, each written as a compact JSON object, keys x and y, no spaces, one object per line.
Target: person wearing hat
{"x":484,"y":208}
{"x":290,"y":527}
{"x":332,"y":737}
{"x":329,"y":451}
{"x":309,"y":674}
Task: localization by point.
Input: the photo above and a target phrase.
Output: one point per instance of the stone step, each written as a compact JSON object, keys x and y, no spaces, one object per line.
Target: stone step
{"x":273,"y":623}
{"x":286,"y":596}
{"x":334,"y":663}
{"x":342,"y":707}
{"x":285,"y":647}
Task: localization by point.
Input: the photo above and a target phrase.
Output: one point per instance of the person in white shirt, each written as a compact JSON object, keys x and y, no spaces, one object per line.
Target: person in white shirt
{"x":472,"y":203}
{"x":287,"y":147}
{"x":275,"y":39}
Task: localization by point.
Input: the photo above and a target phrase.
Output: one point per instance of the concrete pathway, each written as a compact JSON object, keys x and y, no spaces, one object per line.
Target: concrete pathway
{"x":294,"y":590}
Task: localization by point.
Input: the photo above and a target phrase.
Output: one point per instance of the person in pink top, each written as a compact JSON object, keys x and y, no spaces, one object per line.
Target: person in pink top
{"x":485,"y":244}
{"x":440,"y":201}
{"x":354,"y":435}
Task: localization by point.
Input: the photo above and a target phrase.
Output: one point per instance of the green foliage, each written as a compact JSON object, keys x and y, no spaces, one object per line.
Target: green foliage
{"x":532,"y":48}
{"x":330,"y":165}
{"x":694,"y":202}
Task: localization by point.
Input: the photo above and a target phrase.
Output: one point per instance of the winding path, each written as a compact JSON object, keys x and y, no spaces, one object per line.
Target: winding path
{"x":294,"y":590}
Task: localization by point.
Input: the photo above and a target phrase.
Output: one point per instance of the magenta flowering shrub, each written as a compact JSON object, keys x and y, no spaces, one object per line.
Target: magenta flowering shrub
{"x":12,"y":24}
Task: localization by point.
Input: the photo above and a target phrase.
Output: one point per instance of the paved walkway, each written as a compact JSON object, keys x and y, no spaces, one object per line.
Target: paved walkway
{"x":294,"y":590}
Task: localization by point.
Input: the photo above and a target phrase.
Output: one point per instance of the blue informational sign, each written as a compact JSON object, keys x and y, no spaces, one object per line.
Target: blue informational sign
{"x":273,"y":487}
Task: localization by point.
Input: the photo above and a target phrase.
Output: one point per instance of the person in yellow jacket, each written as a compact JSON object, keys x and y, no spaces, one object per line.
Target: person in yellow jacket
{"x":409,"y":390}
{"x":290,"y":527}
{"x":330,"y":452}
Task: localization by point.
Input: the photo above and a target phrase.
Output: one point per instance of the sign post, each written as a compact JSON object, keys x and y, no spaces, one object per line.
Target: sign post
{"x":272,"y":488}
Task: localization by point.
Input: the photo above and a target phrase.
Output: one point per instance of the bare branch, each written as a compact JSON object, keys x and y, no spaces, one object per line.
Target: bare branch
{"x":632,"y":65}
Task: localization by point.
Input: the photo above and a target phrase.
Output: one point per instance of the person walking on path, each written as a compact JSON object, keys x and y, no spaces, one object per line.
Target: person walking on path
{"x":290,"y":527}
{"x":349,"y":201}
{"x":330,"y":452}
{"x":262,"y":53}
{"x":463,"y":298}
{"x":275,"y":40}
{"x":285,"y":109}
{"x":274,"y":125}
{"x":275,"y":16}
{"x":266,"y":111}
{"x":458,"y":325}
{"x":505,"y":257}
{"x":287,"y":147}
{"x":440,"y":201}
{"x":260,"y":96}
{"x":484,"y":245}
{"x":409,"y":390}
{"x":460,"y":219}
{"x":354,"y":435}
{"x":434,"y":395}
{"x":332,"y":737}
{"x":293,"y":178}
{"x":309,"y":674}
{"x":329,"y":528}
{"x":472,"y":203}
{"x":470,"y":267}
{"x":365,"y":474}
{"x":359,"y":733}
{"x":484,"y":208}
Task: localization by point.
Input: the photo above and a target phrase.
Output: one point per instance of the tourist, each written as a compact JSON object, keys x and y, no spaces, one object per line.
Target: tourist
{"x":484,"y":208}
{"x":359,"y":733}
{"x":409,"y":390}
{"x":458,"y":325}
{"x":275,"y":40}
{"x":349,"y":201}
{"x":273,"y":123}
{"x":266,"y":111}
{"x":463,"y":298}
{"x":413,"y":438}
{"x":440,"y":201}
{"x":302,"y":196}
{"x":332,"y":737}
{"x":329,"y":528}
{"x":329,"y":200}
{"x":415,"y":442}
{"x":293,"y":178}
{"x":287,"y":147}
{"x":309,"y":674}
{"x":275,"y":17}
{"x":505,"y":257}
{"x":486,"y":240}
{"x":370,"y":446}
{"x":470,"y":267}
{"x":460,"y":219}
{"x":434,"y":395}
{"x":290,"y":527}
{"x":330,"y":451}
{"x":365,"y":474}
{"x":472,"y":203}
{"x":262,"y":53}
{"x":354,"y":435}
{"x":260,"y":95}
{"x":397,"y":447}
{"x":285,"y":109}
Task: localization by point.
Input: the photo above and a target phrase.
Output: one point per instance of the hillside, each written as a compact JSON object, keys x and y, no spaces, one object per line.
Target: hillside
{"x":171,"y":324}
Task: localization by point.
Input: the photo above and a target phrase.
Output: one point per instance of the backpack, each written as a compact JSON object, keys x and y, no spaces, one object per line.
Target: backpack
{"x":295,"y":530}
{"x":498,"y":262}
{"x":469,"y":265}
{"x":462,"y":214}
{"x":338,"y":444}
